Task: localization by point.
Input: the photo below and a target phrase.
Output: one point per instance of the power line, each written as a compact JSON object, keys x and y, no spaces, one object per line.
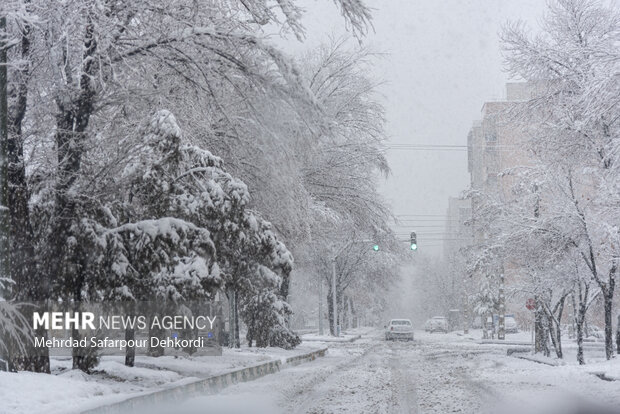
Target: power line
{"x":447,"y":239}
{"x":423,"y":146}
{"x":405,"y":145}
{"x":420,"y":215}
{"x":432,"y":232}
{"x":425,"y":220}
{"x":462,"y":148}
{"x":438,"y":226}
{"x":422,"y":224}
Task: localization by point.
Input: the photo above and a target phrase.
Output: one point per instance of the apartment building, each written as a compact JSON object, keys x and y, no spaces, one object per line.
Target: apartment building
{"x":496,"y":152}
{"x":458,"y":233}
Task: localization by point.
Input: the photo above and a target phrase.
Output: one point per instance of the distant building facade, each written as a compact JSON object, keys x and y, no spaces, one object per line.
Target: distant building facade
{"x":495,"y":148}
{"x":458,"y":233}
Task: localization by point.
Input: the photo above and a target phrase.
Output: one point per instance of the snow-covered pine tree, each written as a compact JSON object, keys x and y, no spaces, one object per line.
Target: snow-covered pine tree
{"x":169,"y":177}
{"x":264,"y":306}
{"x":265,"y":313}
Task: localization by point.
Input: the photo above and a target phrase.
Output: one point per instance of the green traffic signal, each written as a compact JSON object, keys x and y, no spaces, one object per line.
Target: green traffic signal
{"x":413,"y":241}
{"x":375,"y":247}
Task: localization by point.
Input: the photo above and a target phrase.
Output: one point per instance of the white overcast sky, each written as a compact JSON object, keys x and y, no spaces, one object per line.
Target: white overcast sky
{"x":443,"y":61}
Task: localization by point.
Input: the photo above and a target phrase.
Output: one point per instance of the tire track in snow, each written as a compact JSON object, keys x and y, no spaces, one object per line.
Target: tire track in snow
{"x":332,"y":389}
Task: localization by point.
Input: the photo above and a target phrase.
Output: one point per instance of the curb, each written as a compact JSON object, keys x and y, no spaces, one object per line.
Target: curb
{"x":206,"y":386}
{"x":602,"y":375}
{"x":522,"y":350}
{"x":307,"y":357}
{"x":551,"y":363}
{"x":504,"y":342}
{"x":352,"y":339}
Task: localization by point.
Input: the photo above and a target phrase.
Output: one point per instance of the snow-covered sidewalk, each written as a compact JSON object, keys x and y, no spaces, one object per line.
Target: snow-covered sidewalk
{"x":72,"y":391}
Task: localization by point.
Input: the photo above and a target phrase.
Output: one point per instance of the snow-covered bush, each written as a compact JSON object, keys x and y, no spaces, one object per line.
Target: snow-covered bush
{"x":15,"y":333}
{"x":265,"y":312}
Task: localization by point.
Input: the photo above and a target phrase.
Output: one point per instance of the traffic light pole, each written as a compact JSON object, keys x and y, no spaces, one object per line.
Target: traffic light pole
{"x":320,"y":306}
{"x":335,"y":325}
{"x":334,"y":299}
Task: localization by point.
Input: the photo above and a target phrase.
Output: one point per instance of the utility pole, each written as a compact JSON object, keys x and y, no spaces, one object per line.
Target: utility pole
{"x":501,"y":331}
{"x":334,"y":300}
{"x":5,"y":269}
{"x":320,"y":306}
{"x":466,"y":312}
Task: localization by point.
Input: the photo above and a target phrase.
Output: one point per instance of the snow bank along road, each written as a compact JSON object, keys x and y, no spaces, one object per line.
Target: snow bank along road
{"x":432,"y":375}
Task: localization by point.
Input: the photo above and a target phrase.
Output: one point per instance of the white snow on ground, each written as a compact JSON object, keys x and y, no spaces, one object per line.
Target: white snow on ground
{"x":347,"y":379}
{"x":71,"y":391}
{"x":529,"y":384}
{"x":611,"y":369}
{"x":39,"y":393}
{"x":437,"y":373}
{"x":348,"y":336}
{"x":144,"y":376}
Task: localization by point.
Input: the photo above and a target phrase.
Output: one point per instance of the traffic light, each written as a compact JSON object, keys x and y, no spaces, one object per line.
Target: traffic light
{"x":375,"y":247}
{"x":414,"y":241}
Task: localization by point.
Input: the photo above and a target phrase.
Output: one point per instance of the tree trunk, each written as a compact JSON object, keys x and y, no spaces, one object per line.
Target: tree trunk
{"x":23,"y":267}
{"x":580,"y":358}
{"x":552,"y":332}
{"x":342,"y":312}
{"x":249,"y":336}
{"x":284,"y":286}
{"x":284,"y":290}
{"x":130,"y":351}
{"x":579,"y":322}
{"x":618,"y":335}
{"x":485,"y":324}
{"x":76,"y":352}
{"x":539,"y":331}
{"x":5,"y":231}
{"x":349,"y":313}
{"x":607,"y":289}
{"x":553,"y":322}
{"x":233,"y":319}
{"x":330,"y":310}
{"x":130,"y":335}
{"x":156,"y":332}
{"x":72,"y":117}
{"x":556,"y":338}
{"x":608,"y":301}
{"x":558,"y":329}
{"x":236,"y":306}
{"x":546,"y":349}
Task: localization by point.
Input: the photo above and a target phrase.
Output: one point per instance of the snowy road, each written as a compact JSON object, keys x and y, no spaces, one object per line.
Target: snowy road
{"x":431,"y":375}
{"x":367,"y":376}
